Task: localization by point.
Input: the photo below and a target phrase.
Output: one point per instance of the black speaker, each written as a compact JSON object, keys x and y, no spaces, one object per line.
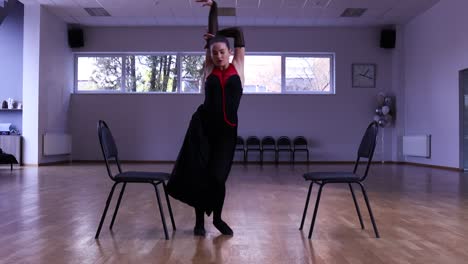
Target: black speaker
{"x":75,"y":38}
{"x":387,"y":38}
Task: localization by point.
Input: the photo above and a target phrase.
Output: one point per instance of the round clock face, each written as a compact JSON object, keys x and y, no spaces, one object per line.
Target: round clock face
{"x":363,"y":75}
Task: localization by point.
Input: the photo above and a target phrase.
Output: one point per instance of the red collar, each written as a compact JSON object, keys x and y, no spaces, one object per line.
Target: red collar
{"x":223,"y":75}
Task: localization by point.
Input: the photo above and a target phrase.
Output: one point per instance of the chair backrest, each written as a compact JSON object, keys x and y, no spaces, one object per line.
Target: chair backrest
{"x":283,"y":142}
{"x":300,"y":142}
{"x":240,"y":144}
{"x":367,"y":147}
{"x":108,"y":147}
{"x":253,"y":142}
{"x":268,"y":142}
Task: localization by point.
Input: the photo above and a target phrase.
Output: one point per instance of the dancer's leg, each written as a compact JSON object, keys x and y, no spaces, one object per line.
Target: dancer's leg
{"x":199,"y":229}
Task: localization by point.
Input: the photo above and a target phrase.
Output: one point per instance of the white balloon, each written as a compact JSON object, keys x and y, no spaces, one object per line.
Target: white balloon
{"x":378,"y":111}
{"x":385,"y":109}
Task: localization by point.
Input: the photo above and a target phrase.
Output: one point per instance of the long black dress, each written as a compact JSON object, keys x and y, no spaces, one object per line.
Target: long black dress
{"x":205,"y":159}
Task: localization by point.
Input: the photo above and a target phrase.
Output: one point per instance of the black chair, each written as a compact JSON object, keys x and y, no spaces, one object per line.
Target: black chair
{"x":283,"y":144}
{"x":366,"y":150}
{"x":268,"y":144}
{"x":240,"y":146}
{"x":110,"y":153}
{"x":252,"y":144}
{"x":6,"y":158}
{"x":300,"y":144}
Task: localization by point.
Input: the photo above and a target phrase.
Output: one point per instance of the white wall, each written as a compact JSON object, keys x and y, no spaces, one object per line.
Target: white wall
{"x":435,"y":51}
{"x":56,"y":80}
{"x":152,"y":126}
{"x":47,"y":80}
{"x":31,"y":52}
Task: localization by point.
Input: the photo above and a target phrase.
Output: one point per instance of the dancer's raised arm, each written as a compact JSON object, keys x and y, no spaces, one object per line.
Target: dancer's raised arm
{"x":239,"y":47}
{"x":212,"y":29}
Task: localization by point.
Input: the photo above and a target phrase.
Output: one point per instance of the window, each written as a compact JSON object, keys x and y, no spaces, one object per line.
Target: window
{"x":264,"y":73}
{"x":192,"y":73}
{"x":150,"y":73}
{"x":99,"y":73}
{"x":308,"y":74}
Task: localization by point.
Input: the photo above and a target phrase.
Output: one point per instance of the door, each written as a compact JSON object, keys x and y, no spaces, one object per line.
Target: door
{"x":463,"y":83}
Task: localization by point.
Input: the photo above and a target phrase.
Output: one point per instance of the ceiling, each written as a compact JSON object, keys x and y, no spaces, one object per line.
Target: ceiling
{"x":248,"y":12}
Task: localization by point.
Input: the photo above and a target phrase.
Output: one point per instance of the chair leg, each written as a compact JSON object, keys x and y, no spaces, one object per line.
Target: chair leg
{"x":306,"y":206}
{"x":356,"y":205}
{"x":261,"y":157}
{"x":11,"y":166}
{"x":294,"y":156}
{"x":169,"y":207}
{"x":245,"y":157}
{"x":370,"y":211}
{"x":307,"y":155}
{"x":118,"y":205}
{"x":105,"y":210}
{"x":163,"y":219}
{"x":315,"y":210}
{"x":291,"y":156}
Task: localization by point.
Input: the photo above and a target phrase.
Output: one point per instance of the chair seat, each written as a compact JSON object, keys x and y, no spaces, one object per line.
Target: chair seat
{"x":7,"y":159}
{"x":334,"y":176}
{"x":142,"y":176}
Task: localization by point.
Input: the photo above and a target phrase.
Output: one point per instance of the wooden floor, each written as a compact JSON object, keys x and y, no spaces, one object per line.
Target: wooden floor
{"x":50,"y":215}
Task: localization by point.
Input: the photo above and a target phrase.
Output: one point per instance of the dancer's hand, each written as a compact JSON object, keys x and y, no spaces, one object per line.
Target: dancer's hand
{"x":205,"y":2}
{"x":207,"y":36}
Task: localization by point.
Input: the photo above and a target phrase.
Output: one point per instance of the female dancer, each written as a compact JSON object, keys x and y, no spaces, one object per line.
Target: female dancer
{"x":205,"y":159}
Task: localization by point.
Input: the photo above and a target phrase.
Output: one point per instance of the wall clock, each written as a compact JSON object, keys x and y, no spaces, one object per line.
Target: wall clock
{"x":363,"y":75}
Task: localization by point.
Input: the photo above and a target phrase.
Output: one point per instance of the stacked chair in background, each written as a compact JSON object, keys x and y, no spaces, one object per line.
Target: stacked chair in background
{"x":253,"y":145}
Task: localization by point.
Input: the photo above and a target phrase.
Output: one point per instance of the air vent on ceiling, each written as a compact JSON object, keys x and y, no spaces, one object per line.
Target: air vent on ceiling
{"x":97,"y":11}
{"x":353,"y":12}
{"x":226,"y":11}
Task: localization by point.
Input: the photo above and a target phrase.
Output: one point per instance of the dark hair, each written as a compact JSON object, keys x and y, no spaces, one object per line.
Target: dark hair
{"x":219,"y":38}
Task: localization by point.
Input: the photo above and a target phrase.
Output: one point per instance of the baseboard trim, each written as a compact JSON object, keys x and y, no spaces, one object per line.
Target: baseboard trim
{"x":127,"y":161}
{"x":424,"y":165}
{"x":54,"y":163}
{"x":258,"y":163}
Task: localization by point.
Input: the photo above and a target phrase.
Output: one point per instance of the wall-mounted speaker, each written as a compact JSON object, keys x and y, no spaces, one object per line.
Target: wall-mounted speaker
{"x":387,"y":38}
{"x":75,"y":38}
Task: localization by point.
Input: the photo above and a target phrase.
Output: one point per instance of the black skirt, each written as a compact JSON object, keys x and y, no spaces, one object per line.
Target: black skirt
{"x":203,"y":163}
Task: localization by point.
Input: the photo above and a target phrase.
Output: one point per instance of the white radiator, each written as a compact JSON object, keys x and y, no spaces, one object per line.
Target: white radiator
{"x":418,"y":145}
{"x":56,"y":144}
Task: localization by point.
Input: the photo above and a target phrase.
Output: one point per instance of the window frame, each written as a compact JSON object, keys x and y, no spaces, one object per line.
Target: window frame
{"x":284,"y":55}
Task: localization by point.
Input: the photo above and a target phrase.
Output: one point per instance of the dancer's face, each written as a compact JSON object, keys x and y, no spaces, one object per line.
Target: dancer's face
{"x":220,"y":54}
